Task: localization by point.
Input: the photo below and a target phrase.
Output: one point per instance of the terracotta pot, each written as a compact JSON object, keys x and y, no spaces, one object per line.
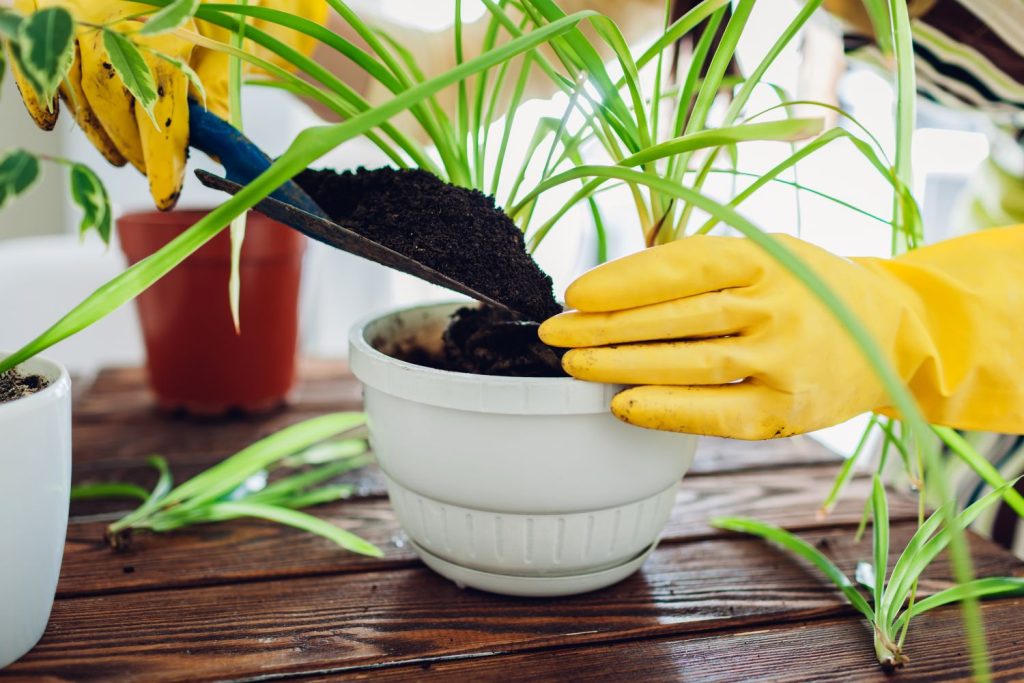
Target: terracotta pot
{"x":196,"y":361}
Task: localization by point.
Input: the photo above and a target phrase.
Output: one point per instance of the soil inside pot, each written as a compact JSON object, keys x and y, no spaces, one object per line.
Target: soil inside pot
{"x":14,"y":385}
{"x":461,"y":233}
{"x":456,"y":231}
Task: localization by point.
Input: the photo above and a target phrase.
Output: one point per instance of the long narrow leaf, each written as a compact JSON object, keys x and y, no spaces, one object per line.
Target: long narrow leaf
{"x":880,"y":533}
{"x":979,"y":588}
{"x":800,"y":547}
{"x":310,"y":145}
{"x":300,"y":520}
{"x":227,"y":475}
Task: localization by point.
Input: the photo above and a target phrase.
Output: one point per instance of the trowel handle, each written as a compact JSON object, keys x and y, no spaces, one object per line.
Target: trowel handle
{"x":242,"y":160}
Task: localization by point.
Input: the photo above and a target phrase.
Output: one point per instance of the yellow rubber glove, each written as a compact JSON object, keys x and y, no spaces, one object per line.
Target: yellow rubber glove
{"x":724,"y":341}
{"x":109,"y":116}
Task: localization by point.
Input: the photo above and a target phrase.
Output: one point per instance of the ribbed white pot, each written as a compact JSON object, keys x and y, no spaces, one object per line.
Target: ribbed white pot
{"x":35,"y":481}
{"x":523,"y":486}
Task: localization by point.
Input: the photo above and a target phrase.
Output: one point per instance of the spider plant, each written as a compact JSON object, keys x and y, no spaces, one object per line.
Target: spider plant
{"x":307,"y":455}
{"x":663,"y":145}
{"x":892,"y":601}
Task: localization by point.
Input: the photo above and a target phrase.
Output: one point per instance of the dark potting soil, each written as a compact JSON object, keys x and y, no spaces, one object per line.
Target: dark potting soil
{"x":456,"y":231}
{"x":487,"y":341}
{"x":14,"y":385}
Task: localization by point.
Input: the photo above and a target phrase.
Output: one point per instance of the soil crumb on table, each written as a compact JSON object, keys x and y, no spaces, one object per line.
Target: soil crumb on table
{"x":456,"y":231}
{"x":14,"y":385}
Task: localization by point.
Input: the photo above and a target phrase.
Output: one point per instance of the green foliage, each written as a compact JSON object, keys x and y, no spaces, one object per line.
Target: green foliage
{"x":88,"y":192}
{"x":19,"y":170}
{"x":170,"y":17}
{"x":893,"y":595}
{"x":46,"y":49}
{"x":128,"y":62}
{"x":9,"y":23}
{"x":307,"y":454}
{"x":661,"y":145}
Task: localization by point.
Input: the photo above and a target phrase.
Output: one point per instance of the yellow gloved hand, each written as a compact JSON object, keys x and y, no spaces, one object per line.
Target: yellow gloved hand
{"x":112,"y":120}
{"x":724,"y":341}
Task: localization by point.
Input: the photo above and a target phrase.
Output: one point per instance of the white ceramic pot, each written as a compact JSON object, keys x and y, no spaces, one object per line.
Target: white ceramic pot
{"x":523,"y":486}
{"x":35,"y":482}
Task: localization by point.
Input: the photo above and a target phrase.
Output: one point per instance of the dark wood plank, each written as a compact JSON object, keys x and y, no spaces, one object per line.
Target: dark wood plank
{"x":364,"y":619}
{"x":820,"y":650}
{"x":247,"y":551}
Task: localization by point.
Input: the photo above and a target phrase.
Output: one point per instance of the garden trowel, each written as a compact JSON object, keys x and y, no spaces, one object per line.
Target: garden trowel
{"x":243,"y":161}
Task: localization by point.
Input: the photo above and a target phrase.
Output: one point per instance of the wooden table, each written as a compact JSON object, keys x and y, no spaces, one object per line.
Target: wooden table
{"x":253,"y":601}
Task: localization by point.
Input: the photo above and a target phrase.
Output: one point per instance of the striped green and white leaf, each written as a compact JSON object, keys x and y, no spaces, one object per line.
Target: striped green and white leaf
{"x":46,"y":49}
{"x":170,"y":17}
{"x":88,"y":192}
{"x":19,"y":170}
{"x":129,"y":63}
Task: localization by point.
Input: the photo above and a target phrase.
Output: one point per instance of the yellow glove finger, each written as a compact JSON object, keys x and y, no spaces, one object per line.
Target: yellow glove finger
{"x":78,"y":104}
{"x":747,"y":410}
{"x":694,"y":265}
{"x":106,"y":96}
{"x":165,"y":145}
{"x":45,"y":115}
{"x":715,"y":314}
{"x":714,"y":361}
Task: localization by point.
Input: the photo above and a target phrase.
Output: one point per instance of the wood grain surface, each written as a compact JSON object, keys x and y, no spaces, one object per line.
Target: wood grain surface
{"x":248,"y":600}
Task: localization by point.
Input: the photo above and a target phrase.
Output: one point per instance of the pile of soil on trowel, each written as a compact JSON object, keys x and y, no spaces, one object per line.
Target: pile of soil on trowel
{"x":461,"y":233}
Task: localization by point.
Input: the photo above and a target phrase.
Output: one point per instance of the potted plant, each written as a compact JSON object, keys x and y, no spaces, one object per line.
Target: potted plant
{"x":196,"y":359}
{"x":35,"y":481}
{"x":664,"y":168}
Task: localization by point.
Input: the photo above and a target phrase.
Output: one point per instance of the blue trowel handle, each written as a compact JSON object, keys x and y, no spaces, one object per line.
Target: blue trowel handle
{"x":241,"y":159}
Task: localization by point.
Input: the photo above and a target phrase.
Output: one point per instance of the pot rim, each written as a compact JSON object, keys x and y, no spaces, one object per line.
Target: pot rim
{"x":59,"y":387}
{"x":466,"y":391}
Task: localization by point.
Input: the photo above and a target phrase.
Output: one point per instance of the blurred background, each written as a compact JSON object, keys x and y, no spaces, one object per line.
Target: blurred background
{"x":38,"y":241}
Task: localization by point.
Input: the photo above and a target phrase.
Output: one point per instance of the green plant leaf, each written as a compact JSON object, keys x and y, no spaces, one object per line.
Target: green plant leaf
{"x":981,"y":466}
{"x":846,"y":471}
{"x":918,"y":561}
{"x":299,"y":520}
{"x":9,"y":23}
{"x":153,"y":501}
{"x":308,"y":146}
{"x":108,"y":490}
{"x":880,"y":540}
{"x":3,"y":62}
{"x":327,"y":451}
{"x":296,"y":483}
{"x":170,"y":17}
{"x":319,"y":496}
{"x":899,"y":584}
{"x":88,"y":192}
{"x":19,"y":170}
{"x":979,"y":588}
{"x":800,"y":547}
{"x":46,"y":49}
{"x":183,"y":67}
{"x":129,"y":63}
{"x":225,"y":476}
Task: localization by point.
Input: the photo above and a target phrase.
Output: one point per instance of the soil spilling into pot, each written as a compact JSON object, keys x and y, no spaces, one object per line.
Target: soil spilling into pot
{"x":488,"y":341}
{"x":456,"y":231}
{"x":14,"y":385}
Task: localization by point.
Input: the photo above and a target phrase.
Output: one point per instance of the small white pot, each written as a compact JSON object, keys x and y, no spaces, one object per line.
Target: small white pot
{"x":523,"y":486}
{"x":35,"y":483}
